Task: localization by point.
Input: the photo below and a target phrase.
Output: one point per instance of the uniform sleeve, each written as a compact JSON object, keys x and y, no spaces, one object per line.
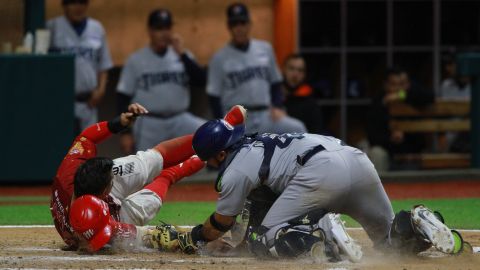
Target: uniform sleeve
{"x":105,"y":59}
{"x":127,"y":82}
{"x":215,"y":77}
{"x":275,"y":75}
{"x":235,"y":187}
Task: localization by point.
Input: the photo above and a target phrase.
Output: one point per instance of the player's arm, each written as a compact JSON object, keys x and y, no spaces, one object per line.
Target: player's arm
{"x":196,"y":73}
{"x":101,"y":131}
{"x":235,"y":187}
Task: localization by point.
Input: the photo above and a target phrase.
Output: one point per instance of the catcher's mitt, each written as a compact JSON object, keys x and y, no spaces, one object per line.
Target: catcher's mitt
{"x":164,"y":237}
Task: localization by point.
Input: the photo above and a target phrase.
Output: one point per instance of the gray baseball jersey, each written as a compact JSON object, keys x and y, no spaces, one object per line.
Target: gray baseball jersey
{"x":339,"y":179}
{"x":245,"y":78}
{"x":247,"y":162}
{"x":90,"y":50}
{"x":160,"y":83}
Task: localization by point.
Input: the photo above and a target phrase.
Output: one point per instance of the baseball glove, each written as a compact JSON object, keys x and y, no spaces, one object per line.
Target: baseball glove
{"x":164,"y":237}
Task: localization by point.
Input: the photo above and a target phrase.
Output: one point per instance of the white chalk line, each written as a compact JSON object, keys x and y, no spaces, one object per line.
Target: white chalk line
{"x":112,"y":258}
{"x":186,"y":227}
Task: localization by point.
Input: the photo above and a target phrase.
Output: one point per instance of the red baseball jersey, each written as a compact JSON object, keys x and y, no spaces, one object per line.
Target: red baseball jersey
{"x":82,"y":149}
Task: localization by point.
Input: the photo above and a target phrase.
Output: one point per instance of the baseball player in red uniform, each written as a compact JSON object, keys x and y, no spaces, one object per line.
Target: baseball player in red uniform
{"x":117,"y":197}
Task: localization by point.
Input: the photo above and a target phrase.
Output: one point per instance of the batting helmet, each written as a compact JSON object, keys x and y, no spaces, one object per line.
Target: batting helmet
{"x":90,"y":217}
{"x":215,"y":136}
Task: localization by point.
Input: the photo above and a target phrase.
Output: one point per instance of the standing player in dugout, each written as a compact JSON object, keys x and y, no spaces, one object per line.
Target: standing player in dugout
{"x":98,"y":200}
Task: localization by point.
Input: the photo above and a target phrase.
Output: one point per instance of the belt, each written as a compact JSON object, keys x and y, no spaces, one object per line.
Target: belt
{"x":309,"y":154}
{"x":83,"y":97}
{"x":163,"y":115}
{"x":257,"y":108}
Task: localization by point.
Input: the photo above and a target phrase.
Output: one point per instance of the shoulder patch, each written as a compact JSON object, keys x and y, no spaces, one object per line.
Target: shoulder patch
{"x":77,"y":149}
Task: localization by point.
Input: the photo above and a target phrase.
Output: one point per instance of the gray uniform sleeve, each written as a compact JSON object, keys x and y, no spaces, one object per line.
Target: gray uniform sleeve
{"x":235,"y":188}
{"x":105,"y":59}
{"x":126,"y":83}
{"x":215,"y":77}
{"x":275,"y":75}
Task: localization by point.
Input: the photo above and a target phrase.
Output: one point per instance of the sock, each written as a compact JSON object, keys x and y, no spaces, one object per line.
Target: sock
{"x":175,"y":150}
{"x":170,"y":176}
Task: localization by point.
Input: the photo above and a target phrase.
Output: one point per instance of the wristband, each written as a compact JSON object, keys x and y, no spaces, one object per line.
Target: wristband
{"x":197,"y":234}
{"x":115,"y":125}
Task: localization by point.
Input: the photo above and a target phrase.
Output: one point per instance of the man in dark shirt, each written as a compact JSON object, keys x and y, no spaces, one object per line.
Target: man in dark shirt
{"x":385,"y":142}
{"x":299,"y":100}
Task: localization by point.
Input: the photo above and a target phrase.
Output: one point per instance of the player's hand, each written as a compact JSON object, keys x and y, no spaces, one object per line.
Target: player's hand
{"x":276,"y":114}
{"x":177,"y":44}
{"x":96,"y":98}
{"x":128,"y":118}
{"x":127,"y":143}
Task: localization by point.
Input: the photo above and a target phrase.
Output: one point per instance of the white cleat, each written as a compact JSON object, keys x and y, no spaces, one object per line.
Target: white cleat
{"x":345,"y":242}
{"x":426,"y":223}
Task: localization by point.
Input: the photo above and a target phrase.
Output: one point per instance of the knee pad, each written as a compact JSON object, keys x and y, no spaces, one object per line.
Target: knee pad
{"x":403,"y":236}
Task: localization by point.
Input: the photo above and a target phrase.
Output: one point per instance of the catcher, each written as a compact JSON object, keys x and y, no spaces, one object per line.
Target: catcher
{"x":124,"y":193}
{"x":312,"y":175}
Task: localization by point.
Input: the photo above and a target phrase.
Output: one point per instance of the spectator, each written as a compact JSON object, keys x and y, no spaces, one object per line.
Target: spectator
{"x":75,"y":33}
{"x":299,"y":100}
{"x":245,"y":72}
{"x":159,"y":76}
{"x":384,"y":142}
{"x":454,"y":86}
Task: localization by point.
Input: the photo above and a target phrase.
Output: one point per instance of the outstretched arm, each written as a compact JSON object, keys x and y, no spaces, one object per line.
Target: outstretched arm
{"x":99,"y":132}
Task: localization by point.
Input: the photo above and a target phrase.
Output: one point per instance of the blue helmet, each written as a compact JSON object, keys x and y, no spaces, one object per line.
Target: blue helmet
{"x":215,"y":136}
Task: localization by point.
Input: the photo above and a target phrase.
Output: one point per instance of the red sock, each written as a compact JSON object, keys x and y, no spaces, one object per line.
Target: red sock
{"x":175,"y":150}
{"x":169,"y":176}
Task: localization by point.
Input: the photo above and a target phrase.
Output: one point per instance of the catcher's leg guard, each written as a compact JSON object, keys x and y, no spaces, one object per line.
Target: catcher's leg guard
{"x":296,"y":237}
{"x":287,"y":242}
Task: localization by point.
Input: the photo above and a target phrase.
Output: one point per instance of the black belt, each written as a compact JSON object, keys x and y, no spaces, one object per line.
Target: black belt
{"x":309,"y":154}
{"x":256,"y":108}
{"x":163,"y":115}
{"x":83,"y":97}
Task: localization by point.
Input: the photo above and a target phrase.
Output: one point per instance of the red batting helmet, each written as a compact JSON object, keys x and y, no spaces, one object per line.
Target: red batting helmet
{"x":90,"y":218}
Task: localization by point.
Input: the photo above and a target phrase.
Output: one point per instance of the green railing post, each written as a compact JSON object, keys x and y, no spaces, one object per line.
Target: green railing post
{"x":468,"y":64}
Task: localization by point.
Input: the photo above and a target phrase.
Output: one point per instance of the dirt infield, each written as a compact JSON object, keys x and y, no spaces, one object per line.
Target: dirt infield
{"x":40,"y":248}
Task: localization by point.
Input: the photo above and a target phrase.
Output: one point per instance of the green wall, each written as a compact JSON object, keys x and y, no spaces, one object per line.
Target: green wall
{"x":36,"y":115}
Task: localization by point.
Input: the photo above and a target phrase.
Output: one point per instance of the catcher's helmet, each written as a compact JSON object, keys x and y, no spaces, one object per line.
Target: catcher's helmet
{"x":215,"y":136}
{"x":90,"y":218}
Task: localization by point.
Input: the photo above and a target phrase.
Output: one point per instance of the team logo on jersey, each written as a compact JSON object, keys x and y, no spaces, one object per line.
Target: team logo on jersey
{"x":236,"y":78}
{"x":148,"y":80}
{"x":77,"y":149}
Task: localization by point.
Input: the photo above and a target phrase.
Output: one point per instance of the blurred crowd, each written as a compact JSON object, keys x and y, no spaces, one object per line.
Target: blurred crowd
{"x":162,"y":75}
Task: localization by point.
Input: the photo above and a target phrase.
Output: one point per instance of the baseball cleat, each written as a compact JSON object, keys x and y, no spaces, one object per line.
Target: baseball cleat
{"x":236,"y":116}
{"x":432,"y":228}
{"x":344,"y":241}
